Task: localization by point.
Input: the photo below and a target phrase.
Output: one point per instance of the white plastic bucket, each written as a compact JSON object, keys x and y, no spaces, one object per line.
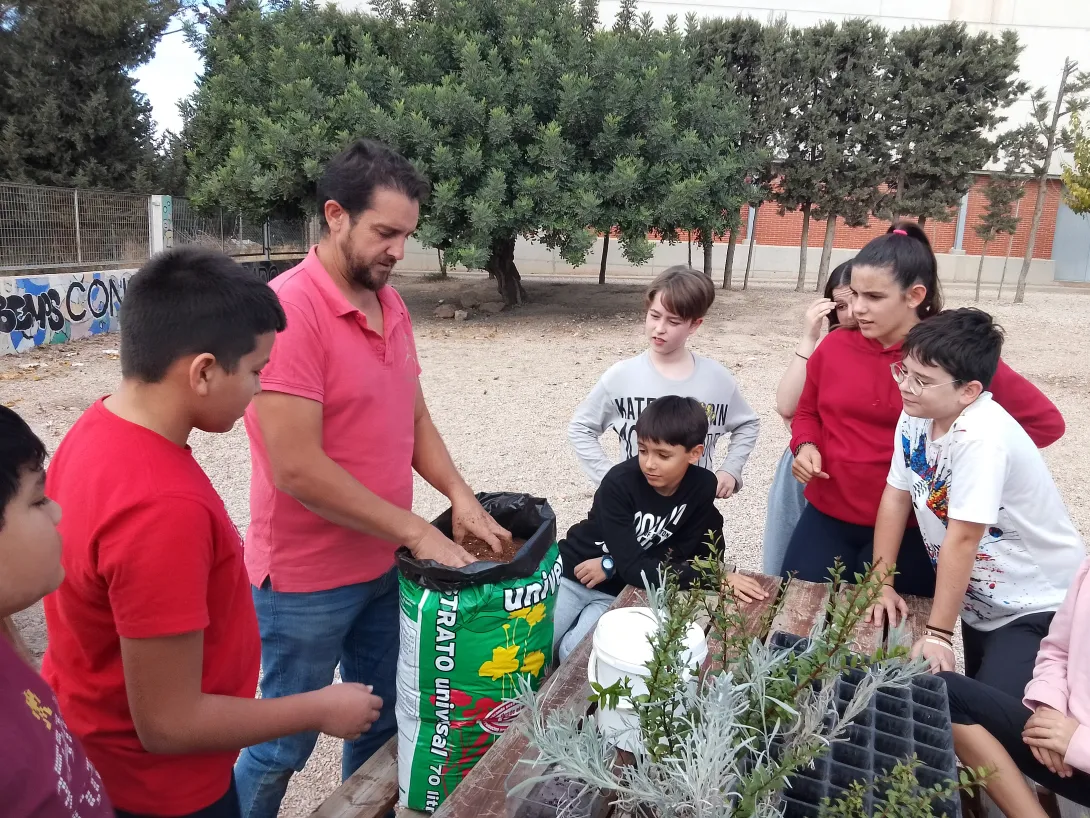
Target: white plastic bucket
{"x":622,"y":648}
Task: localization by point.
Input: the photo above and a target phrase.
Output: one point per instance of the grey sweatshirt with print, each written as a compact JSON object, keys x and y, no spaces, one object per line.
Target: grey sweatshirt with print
{"x":629,"y":386}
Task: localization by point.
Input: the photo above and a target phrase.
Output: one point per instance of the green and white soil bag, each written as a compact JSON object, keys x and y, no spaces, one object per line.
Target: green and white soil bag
{"x":467,"y":636}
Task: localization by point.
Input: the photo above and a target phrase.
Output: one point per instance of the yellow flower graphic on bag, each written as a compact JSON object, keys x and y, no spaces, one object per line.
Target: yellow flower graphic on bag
{"x":533,"y":662}
{"x":504,"y":662}
{"x":532,"y":615}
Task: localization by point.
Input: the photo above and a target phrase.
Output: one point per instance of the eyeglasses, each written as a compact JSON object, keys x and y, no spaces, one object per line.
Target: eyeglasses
{"x":913,"y":383}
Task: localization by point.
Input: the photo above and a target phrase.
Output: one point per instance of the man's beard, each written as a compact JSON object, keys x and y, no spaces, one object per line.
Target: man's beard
{"x":373,"y":276}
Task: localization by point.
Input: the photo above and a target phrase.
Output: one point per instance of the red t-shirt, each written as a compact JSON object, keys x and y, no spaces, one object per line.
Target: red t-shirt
{"x":149,"y":551}
{"x":43,"y":771}
{"x":849,"y":409}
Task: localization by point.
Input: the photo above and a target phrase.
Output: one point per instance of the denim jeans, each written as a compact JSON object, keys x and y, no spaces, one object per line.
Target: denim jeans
{"x":304,"y":637}
{"x":785,"y":506}
{"x":577,"y":611}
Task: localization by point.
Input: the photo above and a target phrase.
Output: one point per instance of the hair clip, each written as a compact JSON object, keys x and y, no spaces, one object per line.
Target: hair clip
{"x":900,"y":232}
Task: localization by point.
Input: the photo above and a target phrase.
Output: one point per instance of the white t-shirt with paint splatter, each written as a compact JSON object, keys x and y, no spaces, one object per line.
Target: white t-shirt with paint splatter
{"x":986,"y":469}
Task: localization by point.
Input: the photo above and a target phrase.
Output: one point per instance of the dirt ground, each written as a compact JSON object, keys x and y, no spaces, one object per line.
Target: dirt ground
{"x":501,"y":390}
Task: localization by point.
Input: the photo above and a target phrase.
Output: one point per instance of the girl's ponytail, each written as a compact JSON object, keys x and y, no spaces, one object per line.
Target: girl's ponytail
{"x":906,"y":252}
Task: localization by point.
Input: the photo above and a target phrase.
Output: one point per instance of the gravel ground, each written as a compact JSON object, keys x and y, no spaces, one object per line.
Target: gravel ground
{"x":502,"y":389}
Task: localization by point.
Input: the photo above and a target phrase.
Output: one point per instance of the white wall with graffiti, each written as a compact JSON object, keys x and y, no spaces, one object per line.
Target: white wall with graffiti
{"x":52,"y":309}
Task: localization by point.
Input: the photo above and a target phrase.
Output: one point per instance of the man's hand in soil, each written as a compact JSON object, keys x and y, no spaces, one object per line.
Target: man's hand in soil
{"x":471,"y":518}
{"x":432,"y":545}
{"x":590,"y":572}
{"x":348,"y":709}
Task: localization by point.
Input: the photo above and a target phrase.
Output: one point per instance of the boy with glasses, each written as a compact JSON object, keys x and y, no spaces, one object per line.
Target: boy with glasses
{"x":991,"y":517}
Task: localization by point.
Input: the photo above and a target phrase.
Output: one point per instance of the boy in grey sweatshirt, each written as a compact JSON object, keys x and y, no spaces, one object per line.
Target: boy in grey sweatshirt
{"x":677,"y":302}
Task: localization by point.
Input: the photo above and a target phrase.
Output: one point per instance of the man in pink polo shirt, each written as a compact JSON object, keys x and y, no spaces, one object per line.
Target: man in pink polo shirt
{"x":335,"y":435}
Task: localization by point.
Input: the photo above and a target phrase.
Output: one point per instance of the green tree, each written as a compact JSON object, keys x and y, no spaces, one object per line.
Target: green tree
{"x":1076,"y":175}
{"x":809,"y":130}
{"x":852,"y":164}
{"x":701,"y":181}
{"x":1039,"y":138}
{"x":750,"y":53}
{"x":281,"y":93}
{"x":948,"y":89}
{"x":1002,"y":192}
{"x":69,"y":110}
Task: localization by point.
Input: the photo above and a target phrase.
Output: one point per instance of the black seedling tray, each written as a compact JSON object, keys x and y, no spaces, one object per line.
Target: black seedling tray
{"x":897,"y":724}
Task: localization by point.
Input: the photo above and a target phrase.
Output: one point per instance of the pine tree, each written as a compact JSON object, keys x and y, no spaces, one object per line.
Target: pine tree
{"x":948,"y":89}
{"x":69,"y":110}
{"x":1003,"y":192}
{"x":1076,"y":175}
{"x":1041,"y":136}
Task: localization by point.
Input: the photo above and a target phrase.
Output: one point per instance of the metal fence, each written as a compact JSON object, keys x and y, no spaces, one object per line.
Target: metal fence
{"x":49,"y":228}
{"x":238,"y":235}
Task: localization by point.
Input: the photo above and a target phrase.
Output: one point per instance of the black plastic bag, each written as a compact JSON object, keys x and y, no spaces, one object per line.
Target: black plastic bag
{"x":526,"y":517}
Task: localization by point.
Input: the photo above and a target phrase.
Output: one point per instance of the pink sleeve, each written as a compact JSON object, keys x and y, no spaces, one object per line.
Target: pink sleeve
{"x":297,"y":363}
{"x":1049,"y":683}
{"x":1028,"y":405}
{"x":1078,"y":751}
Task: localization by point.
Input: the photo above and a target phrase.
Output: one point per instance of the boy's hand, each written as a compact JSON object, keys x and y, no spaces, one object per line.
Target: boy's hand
{"x":747,"y":589}
{"x":590,"y":572}
{"x":889,"y":604}
{"x":348,"y":709}
{"x":726,"y":485}
{"x":1049,"y":729}
{"x":938,"y":657}
{"x":807,"y":464}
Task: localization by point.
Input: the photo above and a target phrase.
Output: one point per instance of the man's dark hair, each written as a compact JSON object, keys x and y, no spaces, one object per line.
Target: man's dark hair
{"x":965,"y":342}
{"x":20,"y":451}
{"x":674,"y":421}
{"x":351,"y":177}
{"x":189,"y":301}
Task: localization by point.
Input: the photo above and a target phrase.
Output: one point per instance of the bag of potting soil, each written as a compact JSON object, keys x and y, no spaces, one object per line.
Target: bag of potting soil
{"x":467,"y":636}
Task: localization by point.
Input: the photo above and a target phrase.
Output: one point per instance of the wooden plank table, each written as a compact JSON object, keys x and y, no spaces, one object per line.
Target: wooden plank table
{"x":372,"y":790}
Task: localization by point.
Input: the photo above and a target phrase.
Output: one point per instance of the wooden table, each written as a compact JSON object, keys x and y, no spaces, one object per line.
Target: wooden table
{"x":372,"y":791}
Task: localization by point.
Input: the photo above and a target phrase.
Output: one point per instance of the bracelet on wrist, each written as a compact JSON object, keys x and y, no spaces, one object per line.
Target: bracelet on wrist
{"x":798,"y":448}
{"x":939,"y":642}
{"x":931,"y":627}
{"x":804,"y":357}
{"x":936,"y":638}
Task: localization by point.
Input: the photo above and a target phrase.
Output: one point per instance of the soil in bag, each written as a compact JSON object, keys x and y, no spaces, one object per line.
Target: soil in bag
{"x":468,"y":636}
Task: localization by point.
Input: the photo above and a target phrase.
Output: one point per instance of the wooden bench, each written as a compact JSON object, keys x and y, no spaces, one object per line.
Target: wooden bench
{"x":372,"y":791}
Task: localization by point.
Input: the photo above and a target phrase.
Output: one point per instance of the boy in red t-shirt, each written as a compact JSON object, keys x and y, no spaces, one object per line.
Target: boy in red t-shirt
{"x":43,"y":770}
{"x":153,"y":641}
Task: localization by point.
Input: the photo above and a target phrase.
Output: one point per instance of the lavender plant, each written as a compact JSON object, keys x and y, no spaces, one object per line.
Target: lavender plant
{"x":726,"y":748}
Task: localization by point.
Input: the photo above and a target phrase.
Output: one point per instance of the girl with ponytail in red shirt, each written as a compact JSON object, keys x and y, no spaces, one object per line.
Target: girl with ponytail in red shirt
{"x":843,"y":429}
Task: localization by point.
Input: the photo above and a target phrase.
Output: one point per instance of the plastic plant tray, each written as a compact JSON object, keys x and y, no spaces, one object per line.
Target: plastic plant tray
{"x":897,"y":724}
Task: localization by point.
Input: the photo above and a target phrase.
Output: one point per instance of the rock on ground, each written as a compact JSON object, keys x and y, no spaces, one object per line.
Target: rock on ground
{"x":502,"y":393}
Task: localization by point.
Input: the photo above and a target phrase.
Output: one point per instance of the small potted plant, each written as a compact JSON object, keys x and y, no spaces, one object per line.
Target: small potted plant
{"x":776,"y":730}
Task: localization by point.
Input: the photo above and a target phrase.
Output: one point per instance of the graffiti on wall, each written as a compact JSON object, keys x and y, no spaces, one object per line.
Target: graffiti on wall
{"x":52,"y":309}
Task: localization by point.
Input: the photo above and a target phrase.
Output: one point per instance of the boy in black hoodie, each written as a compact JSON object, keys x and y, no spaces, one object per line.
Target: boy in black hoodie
{"x":656,"y":509}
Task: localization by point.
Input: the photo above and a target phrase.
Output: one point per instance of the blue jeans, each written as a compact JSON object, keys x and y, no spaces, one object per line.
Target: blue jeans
{"x":785,"y":505}
{"x":577,"y":611}
{"x":304,"y":637}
